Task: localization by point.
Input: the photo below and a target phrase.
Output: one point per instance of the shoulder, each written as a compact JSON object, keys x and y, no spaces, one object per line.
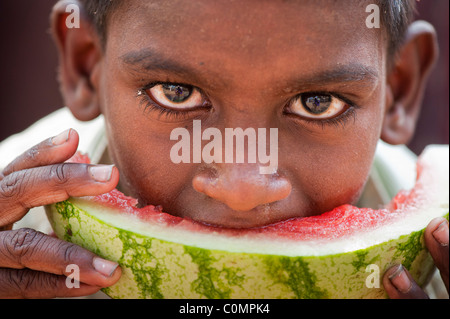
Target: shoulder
{"x":393,"y":169}
{"x":91,"y":134}
{"x":395,"y":166}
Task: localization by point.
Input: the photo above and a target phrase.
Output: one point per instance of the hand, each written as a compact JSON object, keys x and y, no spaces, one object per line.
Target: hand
{"x":32,"y":264}
{"x":398,"y":281}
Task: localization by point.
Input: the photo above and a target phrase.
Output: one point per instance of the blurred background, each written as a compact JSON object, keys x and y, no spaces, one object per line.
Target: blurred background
{"x":28,"y":64}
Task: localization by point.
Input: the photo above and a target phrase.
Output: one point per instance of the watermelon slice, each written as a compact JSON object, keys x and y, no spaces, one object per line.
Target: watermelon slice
{"x":339,"y":254}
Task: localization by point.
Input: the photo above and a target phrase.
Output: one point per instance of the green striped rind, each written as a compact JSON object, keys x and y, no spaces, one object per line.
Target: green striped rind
{"x":153,"y":268}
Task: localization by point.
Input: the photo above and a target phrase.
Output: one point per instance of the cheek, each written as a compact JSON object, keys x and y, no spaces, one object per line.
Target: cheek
{"x":332,"y":177}
{"x":147,"y":172}
{"x":141,"y":151}
{"x":344,"y":173}
{"x":332,"y":168}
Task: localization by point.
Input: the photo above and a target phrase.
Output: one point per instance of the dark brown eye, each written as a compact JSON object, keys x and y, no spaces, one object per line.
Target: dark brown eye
{"x":317,"y":106}
{"x":176,"y":96}
{"x":176,"y":93}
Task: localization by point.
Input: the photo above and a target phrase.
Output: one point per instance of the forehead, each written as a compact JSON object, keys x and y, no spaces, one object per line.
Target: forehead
{"x":304,"y":34}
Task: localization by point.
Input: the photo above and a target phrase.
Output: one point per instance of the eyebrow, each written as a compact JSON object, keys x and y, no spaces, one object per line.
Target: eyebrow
{"x":147,"y":60}
{"x":345,"y":74}
{"x":354,"y":74}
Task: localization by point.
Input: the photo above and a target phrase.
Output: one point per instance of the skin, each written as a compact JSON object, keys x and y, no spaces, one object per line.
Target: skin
{"x":249,"y":72}
{"x":229,"y":67}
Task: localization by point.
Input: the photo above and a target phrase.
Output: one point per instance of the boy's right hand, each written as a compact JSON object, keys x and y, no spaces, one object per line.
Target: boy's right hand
{"x":32,"y":264}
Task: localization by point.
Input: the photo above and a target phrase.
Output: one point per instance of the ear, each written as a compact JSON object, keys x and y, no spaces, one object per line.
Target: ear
{"x":407,"y":81}
{"x":80,"y":54}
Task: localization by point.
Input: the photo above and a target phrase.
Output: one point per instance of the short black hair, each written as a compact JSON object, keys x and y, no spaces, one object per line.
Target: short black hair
{"x":396,"y":15}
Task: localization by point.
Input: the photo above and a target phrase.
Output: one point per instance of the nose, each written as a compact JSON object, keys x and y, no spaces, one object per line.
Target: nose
{"x":241,"y":186}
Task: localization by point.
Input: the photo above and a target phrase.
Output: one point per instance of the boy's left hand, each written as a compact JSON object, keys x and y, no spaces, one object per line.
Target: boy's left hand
{"x":398,"y":281}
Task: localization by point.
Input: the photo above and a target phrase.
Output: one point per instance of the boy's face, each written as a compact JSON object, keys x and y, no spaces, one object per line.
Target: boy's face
{"x":248,"y":64}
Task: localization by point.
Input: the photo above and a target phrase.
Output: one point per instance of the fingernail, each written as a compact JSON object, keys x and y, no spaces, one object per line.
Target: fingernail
{"x":441,"y":234}
{"x":61,"y":138}
{"x":400,"y":280}
{"x":101,"y":173}
{"x":105,"y":267}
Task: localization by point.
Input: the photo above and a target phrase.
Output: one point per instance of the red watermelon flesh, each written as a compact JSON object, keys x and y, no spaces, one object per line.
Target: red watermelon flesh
{"x":341,"y":221}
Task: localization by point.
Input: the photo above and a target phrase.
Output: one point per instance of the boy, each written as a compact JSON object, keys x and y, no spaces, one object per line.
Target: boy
{"x":322,"y":75}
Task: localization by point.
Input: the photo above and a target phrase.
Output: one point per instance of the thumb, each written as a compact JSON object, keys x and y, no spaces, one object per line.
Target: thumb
{"x":399,"y":284}
{"x":436,"y":240}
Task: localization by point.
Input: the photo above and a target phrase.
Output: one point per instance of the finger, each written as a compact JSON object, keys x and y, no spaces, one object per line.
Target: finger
{"x":30,"y":284}
{"x":6,"y":227}
{"x":30,"y":249}
{"x":436,"y":240}
{"x":50,"y":151}
{"x":45,"y":185}
{"x":399,"y":284}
